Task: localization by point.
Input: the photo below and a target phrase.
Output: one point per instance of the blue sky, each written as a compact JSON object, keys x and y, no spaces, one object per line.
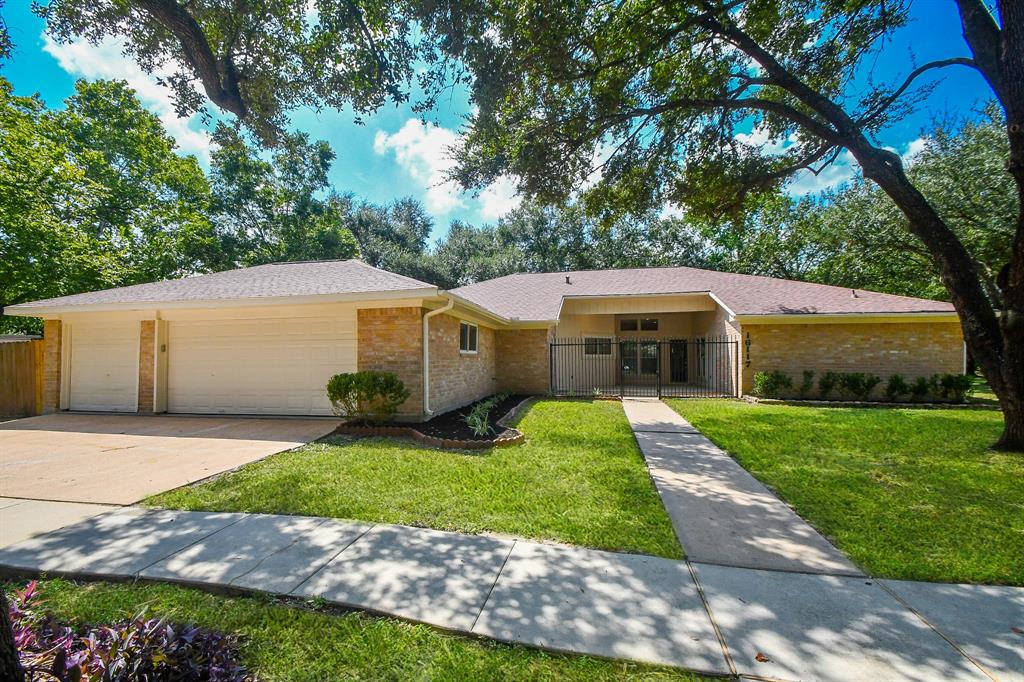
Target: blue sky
{"x":394,"y":155}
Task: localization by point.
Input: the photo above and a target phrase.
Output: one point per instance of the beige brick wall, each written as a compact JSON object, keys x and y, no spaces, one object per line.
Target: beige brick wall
{"x":147,"y":365}
{"x":391,"y":340}
{"x":912,"y":349}
{"x":522,"y":363}
{"x":456,"y":378}
{"x":51,"y":365}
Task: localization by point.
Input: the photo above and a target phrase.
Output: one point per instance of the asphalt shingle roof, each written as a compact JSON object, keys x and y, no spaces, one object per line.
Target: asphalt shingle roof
{"x":526,"y":297}
{"x":261,"y":281}
{"x":539,"y":296}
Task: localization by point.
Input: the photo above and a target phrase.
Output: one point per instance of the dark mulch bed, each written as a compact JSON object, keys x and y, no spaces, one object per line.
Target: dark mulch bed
{"x":452,"y":425}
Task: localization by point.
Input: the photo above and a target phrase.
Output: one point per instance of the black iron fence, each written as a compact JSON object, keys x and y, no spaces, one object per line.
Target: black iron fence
{"x":703,"y":367}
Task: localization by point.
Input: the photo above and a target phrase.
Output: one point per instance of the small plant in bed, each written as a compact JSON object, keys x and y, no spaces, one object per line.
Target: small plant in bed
{"x":476,"y":421}
{"x":135,"y":649}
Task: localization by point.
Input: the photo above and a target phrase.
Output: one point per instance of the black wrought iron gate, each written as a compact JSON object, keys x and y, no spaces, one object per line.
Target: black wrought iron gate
{"x":687,"y":367}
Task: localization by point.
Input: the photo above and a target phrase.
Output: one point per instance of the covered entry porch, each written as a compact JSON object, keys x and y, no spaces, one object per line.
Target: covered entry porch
{"x":682,"y":345}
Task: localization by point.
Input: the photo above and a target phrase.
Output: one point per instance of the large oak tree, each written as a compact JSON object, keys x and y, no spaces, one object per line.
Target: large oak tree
{"x":256,"y":59}
{"x":654,"y":93}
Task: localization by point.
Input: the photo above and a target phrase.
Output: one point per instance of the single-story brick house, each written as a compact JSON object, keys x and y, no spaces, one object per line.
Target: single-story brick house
{"x":265,"y":339}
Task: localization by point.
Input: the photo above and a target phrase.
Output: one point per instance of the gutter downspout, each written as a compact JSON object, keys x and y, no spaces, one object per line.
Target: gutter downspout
{"x":426,"y":353}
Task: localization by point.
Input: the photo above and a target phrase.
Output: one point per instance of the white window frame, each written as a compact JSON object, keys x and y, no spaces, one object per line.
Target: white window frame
{"x":471,"y":349}
{"x":598,"y":356}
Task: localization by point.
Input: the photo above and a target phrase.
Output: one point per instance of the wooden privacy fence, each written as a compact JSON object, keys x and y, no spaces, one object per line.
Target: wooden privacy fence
{"x":21,"y":378}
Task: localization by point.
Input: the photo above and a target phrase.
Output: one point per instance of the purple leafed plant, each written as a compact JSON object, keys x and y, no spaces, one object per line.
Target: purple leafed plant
{"x":141,"y":649}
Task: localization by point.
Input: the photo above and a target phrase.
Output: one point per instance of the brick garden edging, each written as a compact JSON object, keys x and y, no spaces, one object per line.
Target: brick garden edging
{"x":448,"y":443}
{"x":796,"y":402}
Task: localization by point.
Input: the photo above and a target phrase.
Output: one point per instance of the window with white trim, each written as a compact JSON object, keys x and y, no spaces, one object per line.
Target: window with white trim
{"x":468,"y":333}
{"x":596,"y":346}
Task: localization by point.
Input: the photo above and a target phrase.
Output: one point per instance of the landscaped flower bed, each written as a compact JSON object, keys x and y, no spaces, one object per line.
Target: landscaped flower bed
{"x":136,"y":649}
{"x":453,"y":429}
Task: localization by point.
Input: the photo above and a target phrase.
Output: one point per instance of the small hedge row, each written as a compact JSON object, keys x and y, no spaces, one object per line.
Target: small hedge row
{"x":861,"y":386}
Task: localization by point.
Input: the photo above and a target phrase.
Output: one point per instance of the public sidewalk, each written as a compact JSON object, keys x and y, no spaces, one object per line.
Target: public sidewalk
{"x":706,"y":618}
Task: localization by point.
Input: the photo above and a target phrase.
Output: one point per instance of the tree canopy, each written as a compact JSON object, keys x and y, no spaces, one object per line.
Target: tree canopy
{"x":93,"y":196}
{"x":257,"y":61}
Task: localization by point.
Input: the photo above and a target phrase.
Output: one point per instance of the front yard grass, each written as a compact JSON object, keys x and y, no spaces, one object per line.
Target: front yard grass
{"x":908,"y":493}
{"x":578,"y":479}
{"x":285,"y":643}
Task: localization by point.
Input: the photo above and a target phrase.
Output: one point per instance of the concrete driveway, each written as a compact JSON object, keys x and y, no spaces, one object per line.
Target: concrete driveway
{"x":121,"y":459}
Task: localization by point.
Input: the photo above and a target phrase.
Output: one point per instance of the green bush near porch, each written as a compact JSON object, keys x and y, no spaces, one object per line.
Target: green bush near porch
{"x":579,"y":478}
{"x":908,"y":493}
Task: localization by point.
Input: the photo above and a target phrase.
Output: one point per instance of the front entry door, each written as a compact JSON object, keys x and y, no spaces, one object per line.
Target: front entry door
{"x":678,"y":362}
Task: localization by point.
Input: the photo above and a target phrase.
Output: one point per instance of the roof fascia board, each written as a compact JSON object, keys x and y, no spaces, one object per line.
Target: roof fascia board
{"x":24,"y":310}
{"x":847,"y":318}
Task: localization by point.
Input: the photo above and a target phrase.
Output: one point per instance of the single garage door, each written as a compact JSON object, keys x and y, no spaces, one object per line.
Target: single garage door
{"x":104,"y":366}
{"x":266,"y":366}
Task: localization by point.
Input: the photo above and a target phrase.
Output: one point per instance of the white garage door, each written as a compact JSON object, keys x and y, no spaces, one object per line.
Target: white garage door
{"x":271,"y":366}
{"x":104,"y":366}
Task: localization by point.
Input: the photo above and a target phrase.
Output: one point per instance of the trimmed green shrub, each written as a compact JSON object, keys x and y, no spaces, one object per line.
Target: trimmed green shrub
{"x":858,"y":385}
{"x":919,"y":389}
{"x":955,"y":387}
{"x":827,"y":384}
{"x":369,"y":395}
{"x":896,"y":387}
{"x":771,"y":384}
{"x":807,"y":385}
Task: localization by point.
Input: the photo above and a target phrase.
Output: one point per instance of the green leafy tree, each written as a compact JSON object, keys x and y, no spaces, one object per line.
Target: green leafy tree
{"x":658,"y":91}
{"x":92,"y":196}
{"x":5,"y":37}
{"x":856,"y":237}
{"x":257,"y":61}
{"x":270,"y":209}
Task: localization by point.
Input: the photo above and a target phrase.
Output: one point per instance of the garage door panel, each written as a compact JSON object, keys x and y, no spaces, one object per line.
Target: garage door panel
{"x":278,"y":366}
{"x":104,"y":367}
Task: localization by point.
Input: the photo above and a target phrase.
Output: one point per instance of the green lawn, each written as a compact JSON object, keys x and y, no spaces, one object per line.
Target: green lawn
{"x":284,"y":643}
{"x":578,"y":479}
{"x":907,"y":493}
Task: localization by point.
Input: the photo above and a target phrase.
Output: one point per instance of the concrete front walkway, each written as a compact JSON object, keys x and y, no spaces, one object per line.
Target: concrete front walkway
{"x":722,"y":514}
{"x":706,"y":618}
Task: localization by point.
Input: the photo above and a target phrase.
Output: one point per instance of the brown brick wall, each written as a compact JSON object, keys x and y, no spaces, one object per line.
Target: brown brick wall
{"x":522,"y":363}
{"x":912,"y":349}
{"x":51,"y":365}
{"x":391,"y":340}
{"x":147,"y":365}
{"x":456,"y":378}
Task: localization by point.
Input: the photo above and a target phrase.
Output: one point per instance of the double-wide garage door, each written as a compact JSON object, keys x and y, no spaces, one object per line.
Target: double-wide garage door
{"x":259,"y":366}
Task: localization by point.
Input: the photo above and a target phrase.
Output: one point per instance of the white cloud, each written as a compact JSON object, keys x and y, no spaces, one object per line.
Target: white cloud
{"x":107,"y":61}
{"x":914,"y":147}
{"x":499,"y":198}
{"x":840,"y":171}
{"x":424,"y":151}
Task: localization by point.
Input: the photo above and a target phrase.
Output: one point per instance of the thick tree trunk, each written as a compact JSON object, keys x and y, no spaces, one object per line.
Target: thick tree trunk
{"x":1013,"y":425}
{"x":10,"y":666}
